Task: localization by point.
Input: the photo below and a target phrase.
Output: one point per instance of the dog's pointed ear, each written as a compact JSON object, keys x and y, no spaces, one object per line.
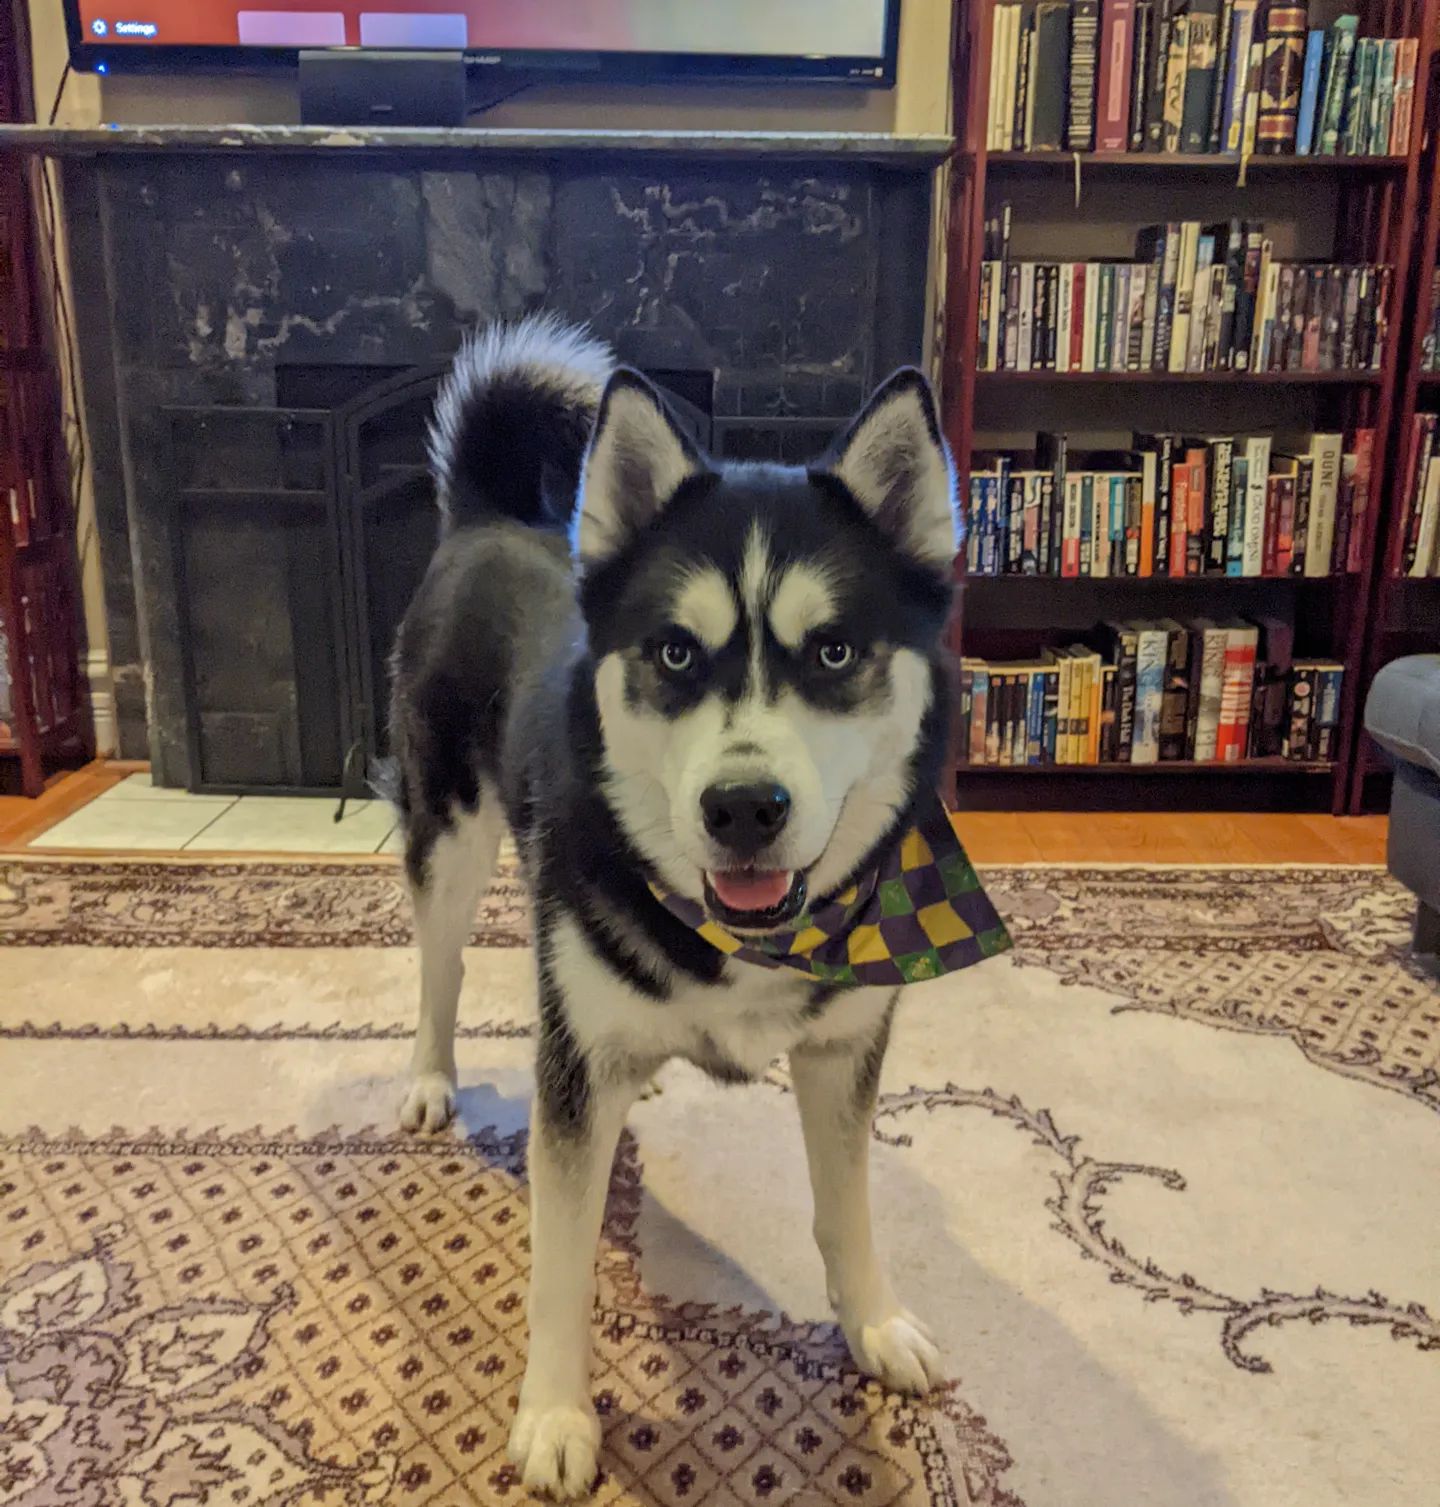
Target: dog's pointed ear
{"x":894,"y":462}
{"x":638,"y":458}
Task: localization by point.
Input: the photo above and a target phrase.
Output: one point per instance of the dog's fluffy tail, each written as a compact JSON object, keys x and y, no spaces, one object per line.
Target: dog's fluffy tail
{"x":512,"y":421}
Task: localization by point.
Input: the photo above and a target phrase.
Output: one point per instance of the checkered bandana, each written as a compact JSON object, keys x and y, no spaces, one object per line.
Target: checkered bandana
{"x":919,"y":913}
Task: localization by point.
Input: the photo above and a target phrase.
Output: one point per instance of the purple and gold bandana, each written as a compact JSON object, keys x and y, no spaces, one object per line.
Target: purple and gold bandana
{"x":919,"y":913}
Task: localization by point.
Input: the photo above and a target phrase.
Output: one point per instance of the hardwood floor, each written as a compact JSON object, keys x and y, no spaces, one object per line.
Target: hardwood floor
{"x":1214,"y":837}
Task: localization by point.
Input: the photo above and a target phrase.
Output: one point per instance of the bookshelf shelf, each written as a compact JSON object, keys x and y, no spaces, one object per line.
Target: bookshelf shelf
{"x":1350,"y":210}
{"x":1185,"y":162}
{"x":1192,"y":379}
{"x":1164,"y":766}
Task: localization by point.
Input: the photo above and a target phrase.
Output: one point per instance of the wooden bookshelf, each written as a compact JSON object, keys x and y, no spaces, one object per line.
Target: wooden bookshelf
{"x":1376,"y":208}
{"x":1403,"y":612}
{"x":40,"y":639}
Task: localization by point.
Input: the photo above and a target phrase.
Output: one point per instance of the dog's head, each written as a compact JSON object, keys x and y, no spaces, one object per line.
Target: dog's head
{"x":766,"y":643}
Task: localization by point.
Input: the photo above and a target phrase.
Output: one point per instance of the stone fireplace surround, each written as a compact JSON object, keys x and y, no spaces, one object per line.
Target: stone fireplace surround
{"x":263,"y":313}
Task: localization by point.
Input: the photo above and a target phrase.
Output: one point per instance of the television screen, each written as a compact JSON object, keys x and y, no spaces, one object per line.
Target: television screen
{"x":836,"y":39}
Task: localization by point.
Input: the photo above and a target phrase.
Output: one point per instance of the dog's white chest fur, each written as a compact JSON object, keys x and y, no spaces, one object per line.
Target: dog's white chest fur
{"x":739,"y":1027}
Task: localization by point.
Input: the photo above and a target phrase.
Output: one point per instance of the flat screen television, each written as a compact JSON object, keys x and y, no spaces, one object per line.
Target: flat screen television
{"x":834,"y":40}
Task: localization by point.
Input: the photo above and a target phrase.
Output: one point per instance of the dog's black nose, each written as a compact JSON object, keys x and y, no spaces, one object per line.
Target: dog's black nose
{"x":745,"y":817}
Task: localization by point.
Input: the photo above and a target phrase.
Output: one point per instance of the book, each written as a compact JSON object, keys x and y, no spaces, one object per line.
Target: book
{"x":1325,"y":453}
{"x":1047,"y":78}
{"x":1406,"y":61}
{"x":1177,"y":61}
{"x":1214,"y":640}
{"x":1336,"y":84}
{"x":1123,"y":649}
{"x":1117,"y":45}
{"x":1382,"y":103}
{"x":1151,"y":654}
{"x":1175,"y":694}
{"x":1140,"y":72}
{"x":1084,"y":64}
{"x":1257,"y":459}
{"x":1309,"y":92}
{"x":1241,"y":641}
{"x":1161,"y":18}
{"x":1199,"y":76}
{"x":1299,"y":709}
{"x":1281,"y":68}
{"x":1325,"y":711}
{"x":1179,"y":344}
{"x":1242,"y":32}
{"x":1422,"y":560}
{"x":1355,"y":129}
{"x":1215,"y":136}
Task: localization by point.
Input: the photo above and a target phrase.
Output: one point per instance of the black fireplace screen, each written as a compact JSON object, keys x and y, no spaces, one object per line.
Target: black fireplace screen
{"x":300,"y":534}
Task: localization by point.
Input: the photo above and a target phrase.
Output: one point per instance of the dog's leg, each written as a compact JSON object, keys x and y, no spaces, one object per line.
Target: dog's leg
{"x":835,"y":1086}
{"x":448,"y":873}
{"x":573,"y":1132}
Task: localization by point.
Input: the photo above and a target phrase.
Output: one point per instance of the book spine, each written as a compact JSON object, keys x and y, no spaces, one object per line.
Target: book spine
{"x":1235,"y":540}
{"x":1084,"y":59}
{"x":1300,"y":521}
{"x":1285,"y":488}
{"x":1239,"y":673}
{"x":1117,"y":45}
{"x":1064,"y":315}
{"x":978,"y":712}
{"x":1221,"y":456}
{"x":1175,"y":698}
{"x":1159,"y":66}
{"x":1281,"y":68}
{"x":1337,"y":86}
{"x":1325,"y":501}
{"x":1176,"y":64}
{"x":1149,"y":694}
{"x":1218,"y":90}
{"x":1357,"y":102}
{"x":1299,"y":706}
{"x":1140,"y":72}
{"x":1212,"y":680}
{"x":1257,"y":479}
{"x":1199,"y":499}
{"x":1126,"y":647}
{"x":1271,"y":552}
{"x":1406,"y":62}
{"x":1199,"y":77}
{"x":1050,"y":717}
{"x":1309,"y":93}
{"x":1325,"y":720}
{"x":1237,"y":72}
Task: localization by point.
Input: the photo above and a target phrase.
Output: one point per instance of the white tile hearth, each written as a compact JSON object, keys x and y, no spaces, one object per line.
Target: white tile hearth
{"x":136,"y":816}
{"x":291,"y":824}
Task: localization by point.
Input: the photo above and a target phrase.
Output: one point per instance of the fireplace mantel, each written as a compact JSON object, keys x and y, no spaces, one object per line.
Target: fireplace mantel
{"x":853,"y":146}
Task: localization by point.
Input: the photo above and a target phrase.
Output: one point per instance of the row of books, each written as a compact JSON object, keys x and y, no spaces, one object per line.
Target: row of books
{"x":1198,"y":298}
{"x":1173,"y":506}
{"x":1228,"y":76}
{"x":1419,"y":526}
{"x":1147,"y":692}
{"x":1430,"y":343}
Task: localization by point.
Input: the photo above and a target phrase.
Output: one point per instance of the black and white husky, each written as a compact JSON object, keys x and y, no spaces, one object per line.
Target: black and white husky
{"x":724,"y":680}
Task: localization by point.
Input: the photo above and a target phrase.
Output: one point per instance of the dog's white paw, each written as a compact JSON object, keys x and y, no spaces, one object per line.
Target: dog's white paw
{"x":556,"y":1449}
{"x":429,"y":1103}
{"x":898,"y":1352}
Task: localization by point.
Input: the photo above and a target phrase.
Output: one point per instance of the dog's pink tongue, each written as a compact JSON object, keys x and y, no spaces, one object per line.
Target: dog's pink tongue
{"x":751,"y":889}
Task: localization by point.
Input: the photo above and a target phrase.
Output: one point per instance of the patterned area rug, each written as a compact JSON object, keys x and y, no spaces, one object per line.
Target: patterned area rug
{"x":1163,"y":1180}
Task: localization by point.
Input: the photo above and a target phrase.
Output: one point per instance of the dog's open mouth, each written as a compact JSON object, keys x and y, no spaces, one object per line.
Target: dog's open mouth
{"x":755,"y":899}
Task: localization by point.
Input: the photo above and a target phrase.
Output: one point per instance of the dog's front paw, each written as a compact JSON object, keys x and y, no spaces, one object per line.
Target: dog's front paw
{"x":898,"y":1351}
{"x":555,"y":1448}
{"x":429,"y":1103}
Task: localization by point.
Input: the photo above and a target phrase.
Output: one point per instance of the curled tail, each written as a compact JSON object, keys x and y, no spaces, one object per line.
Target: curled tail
{"x":512,"y":421}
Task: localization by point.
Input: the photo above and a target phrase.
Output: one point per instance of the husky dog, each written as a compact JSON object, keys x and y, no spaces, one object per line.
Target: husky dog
{"x":665,"y":673}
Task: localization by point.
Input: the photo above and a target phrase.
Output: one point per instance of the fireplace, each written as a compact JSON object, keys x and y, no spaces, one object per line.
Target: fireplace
{"x":278,"y":321}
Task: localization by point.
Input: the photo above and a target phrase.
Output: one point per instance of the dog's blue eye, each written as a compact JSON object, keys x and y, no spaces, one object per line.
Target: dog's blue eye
{"x":835,"y":654}
{"x":676,"y":658}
